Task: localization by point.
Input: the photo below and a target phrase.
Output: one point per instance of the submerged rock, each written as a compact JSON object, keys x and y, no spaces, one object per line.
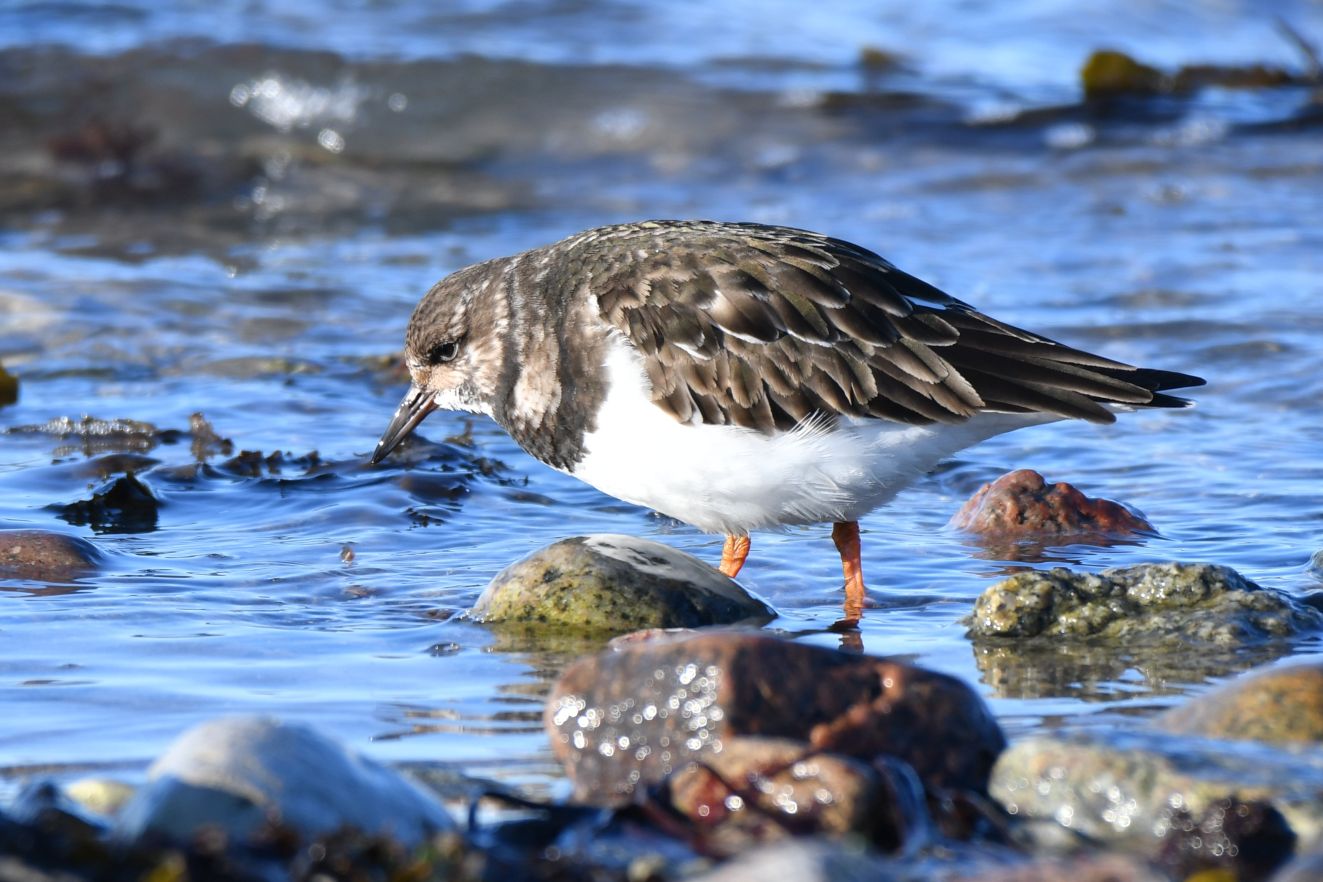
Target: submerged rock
{"x":615,"y":583}
{"x":1168,"y":603}
{"x":1019,"y":512}
{"x":42,"y":556}
{"x":240,"y":774}
{"x":1279,"y":705}
{"x":1190,"y":802}
{"x":632,"y":717}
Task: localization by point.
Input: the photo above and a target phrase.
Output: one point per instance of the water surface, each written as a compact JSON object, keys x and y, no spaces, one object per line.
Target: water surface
{"x":230,"y":208}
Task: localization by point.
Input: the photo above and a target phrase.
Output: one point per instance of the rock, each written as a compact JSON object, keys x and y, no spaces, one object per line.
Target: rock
{"x":101,"y":796}
{"x":1078,"y":868}
{"x":820,"y":860}
{"x":1169,"y":603}
{"x":40,"y":556}
{"x":1159,"y":795}
{"x":238,"y":773}
{"x":615,"y":583}
{"x":1278,"y":705}
{"x":803,"y":860}
{"x":8,"y":387}
{"x":125,"y":505}
{"x":758,"y":789}
{"x":1242,"y":840}
{"x":1018,"y":514}
{"x":1020,"y":503}
{"x":1109,"y":73}
{"x":635,"y":715}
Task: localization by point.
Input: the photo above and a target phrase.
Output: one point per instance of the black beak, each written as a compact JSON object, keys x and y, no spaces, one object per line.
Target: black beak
{"x":417,"y":404}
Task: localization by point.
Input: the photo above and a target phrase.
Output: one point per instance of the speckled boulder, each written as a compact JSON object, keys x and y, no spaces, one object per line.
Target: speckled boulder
{"x":611,"y":583}
{"x":1021,"y":503}
{"x":41,"y":556}
{"x":1151,"y":603}
{"x":1145,"y":790}
{"x":1279,"y":705}
{"x":634,"y":715}
{"x":238,"y":773}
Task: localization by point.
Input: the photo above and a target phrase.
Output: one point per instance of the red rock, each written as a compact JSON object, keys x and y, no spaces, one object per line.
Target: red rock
{"x":1021,"y":504}
{"x":633,"y":716}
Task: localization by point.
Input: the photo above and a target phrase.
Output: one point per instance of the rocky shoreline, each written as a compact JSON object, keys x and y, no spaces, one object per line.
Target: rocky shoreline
{"x":702,"y":747}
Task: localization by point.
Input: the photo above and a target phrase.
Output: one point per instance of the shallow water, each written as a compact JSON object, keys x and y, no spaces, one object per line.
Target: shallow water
{"x":280,"y":199}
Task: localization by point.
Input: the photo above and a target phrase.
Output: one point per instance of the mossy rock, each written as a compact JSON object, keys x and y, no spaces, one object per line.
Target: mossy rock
{"x":613,"y":583}
{"x":1149,"y":603}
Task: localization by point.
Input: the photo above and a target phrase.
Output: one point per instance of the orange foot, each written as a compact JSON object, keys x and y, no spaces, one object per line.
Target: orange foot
{"x":846,"y":536}
{"x":733,"y":555}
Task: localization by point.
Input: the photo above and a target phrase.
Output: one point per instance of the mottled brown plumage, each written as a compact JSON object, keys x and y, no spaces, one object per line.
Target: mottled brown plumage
{"x":762,"y":326}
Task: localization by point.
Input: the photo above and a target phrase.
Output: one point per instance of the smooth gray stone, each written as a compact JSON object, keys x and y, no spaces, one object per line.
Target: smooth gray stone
{"x":239,"y":772}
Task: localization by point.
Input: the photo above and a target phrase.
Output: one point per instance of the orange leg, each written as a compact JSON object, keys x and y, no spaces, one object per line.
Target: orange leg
{"x":733,"y":554}
{"x":846,"y":537}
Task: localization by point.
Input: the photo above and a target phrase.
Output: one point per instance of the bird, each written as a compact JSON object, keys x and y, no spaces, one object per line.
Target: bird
{"x":741,"y":376}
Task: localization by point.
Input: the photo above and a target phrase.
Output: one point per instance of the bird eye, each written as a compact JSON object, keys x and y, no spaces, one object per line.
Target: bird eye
{"x":443,"y":352}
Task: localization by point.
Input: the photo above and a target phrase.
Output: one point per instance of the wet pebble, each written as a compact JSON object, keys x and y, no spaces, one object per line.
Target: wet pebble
{"x":634,"y":715}
{"x":1151,"y":603}
{"x":1279,"y":705}
{"x":1193,"y":802}
{"x":239,"y":773}
{"x":42,"y":556}
{"x":613,"y":583}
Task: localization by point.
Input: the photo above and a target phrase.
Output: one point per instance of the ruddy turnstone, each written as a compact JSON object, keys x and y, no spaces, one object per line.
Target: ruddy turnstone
{"x":737,"y":376}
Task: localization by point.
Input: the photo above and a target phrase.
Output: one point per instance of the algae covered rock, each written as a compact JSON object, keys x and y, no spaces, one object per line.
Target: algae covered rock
{"x":1280,"y":705}
{"x":612,"y":583}
{"x":1150,"y":603}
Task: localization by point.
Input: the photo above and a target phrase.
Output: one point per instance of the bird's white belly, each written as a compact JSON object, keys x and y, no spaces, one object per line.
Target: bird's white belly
{"x":729,"y":479}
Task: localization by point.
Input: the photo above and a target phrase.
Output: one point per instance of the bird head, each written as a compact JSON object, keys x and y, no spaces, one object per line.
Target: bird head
{"x":454,"y":350}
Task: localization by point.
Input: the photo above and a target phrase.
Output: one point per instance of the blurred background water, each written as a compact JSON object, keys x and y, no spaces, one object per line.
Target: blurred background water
{"x":231,"y":207}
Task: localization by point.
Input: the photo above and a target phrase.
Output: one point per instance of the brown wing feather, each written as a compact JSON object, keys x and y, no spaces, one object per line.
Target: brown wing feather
{"x":749,"y":325}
